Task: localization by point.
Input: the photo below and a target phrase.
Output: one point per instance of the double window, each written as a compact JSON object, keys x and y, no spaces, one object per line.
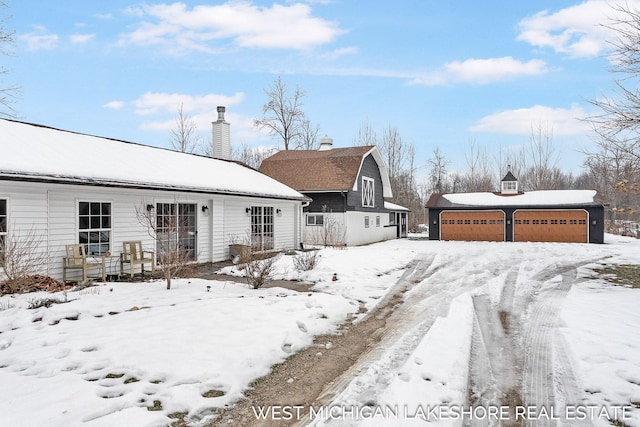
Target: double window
{"x":3,"y":226}
{"x":262,"y":227}
{"x":509,"y":185}
{"x":368,"y":199}
{"x":94,"y":227}
{"x":315,"y":219}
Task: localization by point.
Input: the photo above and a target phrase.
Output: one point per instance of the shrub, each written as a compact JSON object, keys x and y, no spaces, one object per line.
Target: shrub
{"x":258,"y":270}
{"x":306,"y":261}
{"x":34,"y":303}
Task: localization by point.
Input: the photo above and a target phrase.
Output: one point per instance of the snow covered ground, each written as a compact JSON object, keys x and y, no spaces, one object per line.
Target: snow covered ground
{"x":113,"y":352}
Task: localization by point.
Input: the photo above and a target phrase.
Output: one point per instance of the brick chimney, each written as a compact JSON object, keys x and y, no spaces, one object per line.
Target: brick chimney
{"x":221,"y":136}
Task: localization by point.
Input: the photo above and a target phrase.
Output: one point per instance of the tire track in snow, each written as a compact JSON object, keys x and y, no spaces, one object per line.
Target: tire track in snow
{"x":494,"y":379}
{"x":518,"y":356}
{"x":439,"y":284}
{"x":549,"y":382}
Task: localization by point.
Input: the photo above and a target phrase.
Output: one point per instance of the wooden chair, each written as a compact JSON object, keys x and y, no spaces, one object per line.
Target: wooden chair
{"x":77,"y":259}
{"x":133,"y":255}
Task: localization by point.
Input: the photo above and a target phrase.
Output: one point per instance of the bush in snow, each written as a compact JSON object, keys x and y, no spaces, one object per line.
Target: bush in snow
{"x":258,"y":270}
{"x":306,"y":261}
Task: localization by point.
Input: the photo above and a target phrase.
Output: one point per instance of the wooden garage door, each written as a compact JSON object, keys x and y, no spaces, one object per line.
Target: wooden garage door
{"x":472,"y":225}
{"x":550,"y":226}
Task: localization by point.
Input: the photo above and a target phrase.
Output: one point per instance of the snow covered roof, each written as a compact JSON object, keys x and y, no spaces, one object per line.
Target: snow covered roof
{"x":531,"y":198}
{"x":393,"y":207}
{"x":31,"y":151}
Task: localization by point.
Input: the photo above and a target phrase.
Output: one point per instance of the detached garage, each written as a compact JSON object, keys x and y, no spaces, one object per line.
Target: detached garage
{"x":536,"y":216}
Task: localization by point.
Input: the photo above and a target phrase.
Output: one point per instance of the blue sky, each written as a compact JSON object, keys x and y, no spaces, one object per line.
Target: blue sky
{"x":444,"y":73}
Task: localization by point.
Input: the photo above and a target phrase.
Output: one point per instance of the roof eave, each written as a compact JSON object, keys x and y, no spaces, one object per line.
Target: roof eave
{"x":384,"y":173}
{"x":97,"y":182}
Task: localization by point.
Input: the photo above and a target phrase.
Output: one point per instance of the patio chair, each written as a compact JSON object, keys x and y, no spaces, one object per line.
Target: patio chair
{"x":133,"y":255}
{"x":77,"y":259}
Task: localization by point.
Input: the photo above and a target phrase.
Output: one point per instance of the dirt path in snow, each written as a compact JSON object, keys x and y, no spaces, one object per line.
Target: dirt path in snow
{"x":302,"y":378}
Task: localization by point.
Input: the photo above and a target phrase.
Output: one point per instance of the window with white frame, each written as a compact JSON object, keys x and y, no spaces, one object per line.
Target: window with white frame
{"x":3,"y":226}
{"x":315,"y":219}
{"x":368,"y":200}
{"x":94,"y":227}
{"x":366,"y":221}
{"x":378,"y":221}
{"x":262,"y":227}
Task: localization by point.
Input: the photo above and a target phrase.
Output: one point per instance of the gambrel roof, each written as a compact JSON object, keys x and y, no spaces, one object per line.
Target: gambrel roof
{"x":32,"y":152}
{"x":337,"y":169}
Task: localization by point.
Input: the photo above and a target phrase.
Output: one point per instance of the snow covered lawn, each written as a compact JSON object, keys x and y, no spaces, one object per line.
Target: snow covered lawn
{"x":132,"y":354}
{"x":109,"y":353}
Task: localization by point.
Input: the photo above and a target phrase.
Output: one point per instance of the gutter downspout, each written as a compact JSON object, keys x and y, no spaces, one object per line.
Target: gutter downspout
{"x":301,"y":224}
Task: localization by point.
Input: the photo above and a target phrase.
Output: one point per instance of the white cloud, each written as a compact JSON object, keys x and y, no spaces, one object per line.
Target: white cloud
{"x":577,"y":30}
{"x":246,"y":25}
{"x":153,"y":102}
{"x":337,"y":53}
{"x":518,"y":122}
{"x":81,"y":38}
{"x":38,"y":40}
{"x":114,"y":105}
{"x":482,"y":71}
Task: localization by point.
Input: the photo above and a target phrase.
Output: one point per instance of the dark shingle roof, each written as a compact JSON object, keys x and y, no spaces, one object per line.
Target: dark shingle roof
{"x":509,"y":177}
{"x":312,"y":170}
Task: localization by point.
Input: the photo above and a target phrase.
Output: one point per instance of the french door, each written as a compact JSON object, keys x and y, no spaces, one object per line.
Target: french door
{"x":176,"y":229}
{"x":262,"y":228}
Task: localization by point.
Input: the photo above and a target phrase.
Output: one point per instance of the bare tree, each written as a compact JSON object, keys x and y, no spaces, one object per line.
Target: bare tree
{"x":282,"y":115}
{"x":542,"y":172}
{"x":618,"y":123}
{"x":184,"y":138}
{"x":478,"y":176}
{"x":7,"y":93}
{"x":21,"y":257}
{"x":172,"y":257}
{"x":437,"y":166}
{"x":366,"y":135}
{"x":615,"y":165}
{"x":308,"y":139}
{"x":251,"y":156}
{"x":330,"y":233}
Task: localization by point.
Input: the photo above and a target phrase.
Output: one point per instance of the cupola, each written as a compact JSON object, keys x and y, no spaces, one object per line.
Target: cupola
{"x":509,"y":184}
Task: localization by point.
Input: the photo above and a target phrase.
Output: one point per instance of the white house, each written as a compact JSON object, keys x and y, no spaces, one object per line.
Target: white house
{"x":67,"y":187}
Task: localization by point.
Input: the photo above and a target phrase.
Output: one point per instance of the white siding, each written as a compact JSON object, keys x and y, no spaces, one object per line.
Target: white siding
{"x":26,"y":214}
{"x":352,"y":226}
{"x":360,"y":235}
{"x":237,"y":223}
{"x":52,"y":210}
